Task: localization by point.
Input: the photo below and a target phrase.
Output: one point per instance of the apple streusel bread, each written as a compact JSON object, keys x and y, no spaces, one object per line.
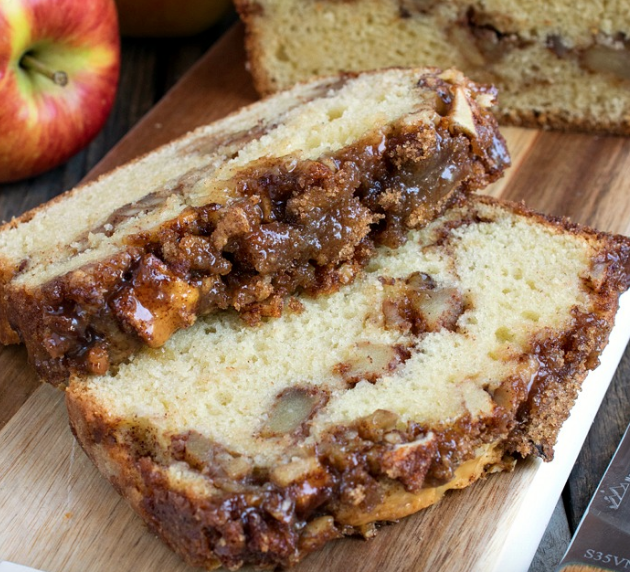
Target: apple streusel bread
{"x":444,"y":360}
{"x":563,"y":64}
{"x":289,"y":193}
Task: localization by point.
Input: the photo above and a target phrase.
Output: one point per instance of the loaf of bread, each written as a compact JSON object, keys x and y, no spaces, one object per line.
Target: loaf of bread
{"x":443,"y":361}
{"x":561,"y":64}
{"x":289,"y":193}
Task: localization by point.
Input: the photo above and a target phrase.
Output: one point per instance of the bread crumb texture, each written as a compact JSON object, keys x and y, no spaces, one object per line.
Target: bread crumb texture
{"x":289,"y":194}
{"x":223,"y":380}
{"x":313,"y":121}
{"x":565,"y":66}
{"x":446,"y":358}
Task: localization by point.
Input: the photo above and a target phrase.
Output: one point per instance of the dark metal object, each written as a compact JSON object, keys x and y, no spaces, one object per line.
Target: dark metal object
{"x":602,"y":541}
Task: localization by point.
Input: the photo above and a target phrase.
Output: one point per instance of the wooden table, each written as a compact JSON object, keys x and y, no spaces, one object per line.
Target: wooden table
{"x":151,"y":67}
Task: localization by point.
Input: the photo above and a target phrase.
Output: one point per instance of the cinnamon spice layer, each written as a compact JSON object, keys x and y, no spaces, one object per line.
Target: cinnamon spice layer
{"x":294,"y":203}
{"x":446,"y":359}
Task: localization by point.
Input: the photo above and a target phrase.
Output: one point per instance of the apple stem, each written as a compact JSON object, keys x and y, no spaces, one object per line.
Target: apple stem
{"x":31,"y":63}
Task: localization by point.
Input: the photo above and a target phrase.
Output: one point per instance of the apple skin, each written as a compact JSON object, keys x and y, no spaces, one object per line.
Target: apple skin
{"x":168,"y":18}
{"x":44,"y":124}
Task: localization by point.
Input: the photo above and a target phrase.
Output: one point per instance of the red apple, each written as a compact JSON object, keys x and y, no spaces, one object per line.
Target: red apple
{"x":168,"y":18}
{"x":59,"y":66}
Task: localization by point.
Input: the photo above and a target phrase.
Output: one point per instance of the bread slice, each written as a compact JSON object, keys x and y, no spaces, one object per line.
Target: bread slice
{"x":560,"y":64}
{"x":444,"y":360}
{"x":289,"y":193}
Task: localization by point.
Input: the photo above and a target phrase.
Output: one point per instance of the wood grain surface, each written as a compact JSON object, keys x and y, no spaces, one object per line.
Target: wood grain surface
{"x":74,"y":521}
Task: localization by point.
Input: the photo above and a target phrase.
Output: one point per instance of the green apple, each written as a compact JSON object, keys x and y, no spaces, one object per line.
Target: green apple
{"x":59,"y":67}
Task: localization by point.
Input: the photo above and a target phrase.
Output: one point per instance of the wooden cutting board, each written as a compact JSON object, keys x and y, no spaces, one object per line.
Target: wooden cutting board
{"x":59,"y":515}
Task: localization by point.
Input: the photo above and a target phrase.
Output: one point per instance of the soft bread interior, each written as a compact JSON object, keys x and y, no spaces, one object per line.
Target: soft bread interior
{"x":281,"y":202}
{"x":442,"y":360}
{"x":565,"y":63}
{"x":515,"y":279}
{"x":200,"y":167}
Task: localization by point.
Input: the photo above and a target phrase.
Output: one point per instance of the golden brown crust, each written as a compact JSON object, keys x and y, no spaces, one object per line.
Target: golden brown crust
{"x":562,"y":122}
{"x":248,"y":11}
{"x":278,"y":522}
{"x":8,"y":335}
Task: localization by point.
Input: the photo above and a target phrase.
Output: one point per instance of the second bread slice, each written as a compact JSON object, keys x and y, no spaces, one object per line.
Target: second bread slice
{"x":445,"y":360}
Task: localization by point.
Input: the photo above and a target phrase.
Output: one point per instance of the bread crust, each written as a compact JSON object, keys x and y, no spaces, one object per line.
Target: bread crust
{"x":561,"y":122}
{"x":187,"y":519}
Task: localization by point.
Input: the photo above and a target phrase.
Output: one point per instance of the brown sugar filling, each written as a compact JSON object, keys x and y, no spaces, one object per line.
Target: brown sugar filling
{"x":228,"y":509}
{"x":298,"y":505}
{"x":300,"y":225}
{"x":330,"y":490}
